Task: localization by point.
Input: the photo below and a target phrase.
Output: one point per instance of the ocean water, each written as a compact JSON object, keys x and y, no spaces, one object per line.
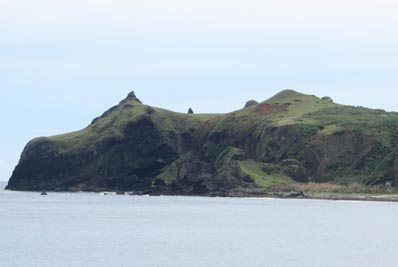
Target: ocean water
{"x":83,"y":229}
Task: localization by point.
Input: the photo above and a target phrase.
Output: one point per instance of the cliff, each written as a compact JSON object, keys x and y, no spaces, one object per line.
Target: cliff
{"x":290,"y":138}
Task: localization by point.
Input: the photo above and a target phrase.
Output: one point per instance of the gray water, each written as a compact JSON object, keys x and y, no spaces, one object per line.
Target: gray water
{"x":94,"y":230}
{"x":2,"y":185}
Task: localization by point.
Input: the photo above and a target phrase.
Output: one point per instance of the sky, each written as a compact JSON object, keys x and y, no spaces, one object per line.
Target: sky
{"x":62,"y":63}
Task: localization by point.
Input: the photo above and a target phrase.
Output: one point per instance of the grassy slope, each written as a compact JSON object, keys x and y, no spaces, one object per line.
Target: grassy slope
{"x":331,"y":117}
{"x":299,"y":105}
{"x":302,"y":109}
{"x":262,"y":179}
{"x":110,"y":125}
{"x":113,"y":124}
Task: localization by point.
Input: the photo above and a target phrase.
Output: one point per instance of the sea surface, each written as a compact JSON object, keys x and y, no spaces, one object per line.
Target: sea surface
{"x":88,"y":229}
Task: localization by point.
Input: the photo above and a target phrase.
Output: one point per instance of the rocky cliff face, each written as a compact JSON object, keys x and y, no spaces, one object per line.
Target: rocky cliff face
{"x":289,"y":138}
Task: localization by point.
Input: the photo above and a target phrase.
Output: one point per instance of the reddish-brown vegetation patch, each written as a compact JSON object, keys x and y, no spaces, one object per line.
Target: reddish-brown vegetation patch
{"x":269,"y":109}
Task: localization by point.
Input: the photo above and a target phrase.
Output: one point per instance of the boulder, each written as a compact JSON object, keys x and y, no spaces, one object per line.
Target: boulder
{"x":327,"y":99}
{"x":251,"y":103}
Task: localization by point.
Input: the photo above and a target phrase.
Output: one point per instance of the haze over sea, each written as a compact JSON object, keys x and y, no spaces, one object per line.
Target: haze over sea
{"x":88,"y":229}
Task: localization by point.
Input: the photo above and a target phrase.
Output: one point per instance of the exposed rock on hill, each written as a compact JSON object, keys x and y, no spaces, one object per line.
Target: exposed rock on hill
{"x":290,"y":138}
{"x":251,"y":103}
{"x":131,"y":96}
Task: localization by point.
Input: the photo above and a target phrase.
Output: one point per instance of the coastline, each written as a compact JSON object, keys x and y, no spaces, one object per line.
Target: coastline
{"x":382,"y":197}
{"x":339,"y":197}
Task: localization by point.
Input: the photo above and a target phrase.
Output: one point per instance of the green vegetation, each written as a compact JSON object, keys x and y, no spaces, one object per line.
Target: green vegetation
{"x":331,"y":129}
{"x":355,"y":117}
{"x":298,"y":105}
{"x":224,"y":153}
{"x":169,"y":174}
{"x":262,"y":179}
{"x":113,"y":123}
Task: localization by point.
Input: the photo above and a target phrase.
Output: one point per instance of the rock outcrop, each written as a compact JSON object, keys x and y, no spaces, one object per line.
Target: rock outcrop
{"x":251,"y":103}
{"x":131,"y":96}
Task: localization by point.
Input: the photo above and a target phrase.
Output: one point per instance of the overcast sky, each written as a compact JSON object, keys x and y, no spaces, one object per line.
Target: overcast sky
{"x":64,"y":62}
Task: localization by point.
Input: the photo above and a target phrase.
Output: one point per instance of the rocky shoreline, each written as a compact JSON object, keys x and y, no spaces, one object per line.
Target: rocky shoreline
{"x":355,"y":197}
{"x":393,"y":197}
{"x":329,"y":196}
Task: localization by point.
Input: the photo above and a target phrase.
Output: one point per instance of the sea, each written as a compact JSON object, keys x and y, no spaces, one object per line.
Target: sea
{"x":90,"y":229}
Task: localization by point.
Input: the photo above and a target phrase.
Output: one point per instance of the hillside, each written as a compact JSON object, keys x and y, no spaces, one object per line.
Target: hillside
{"x":290,"y":138}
